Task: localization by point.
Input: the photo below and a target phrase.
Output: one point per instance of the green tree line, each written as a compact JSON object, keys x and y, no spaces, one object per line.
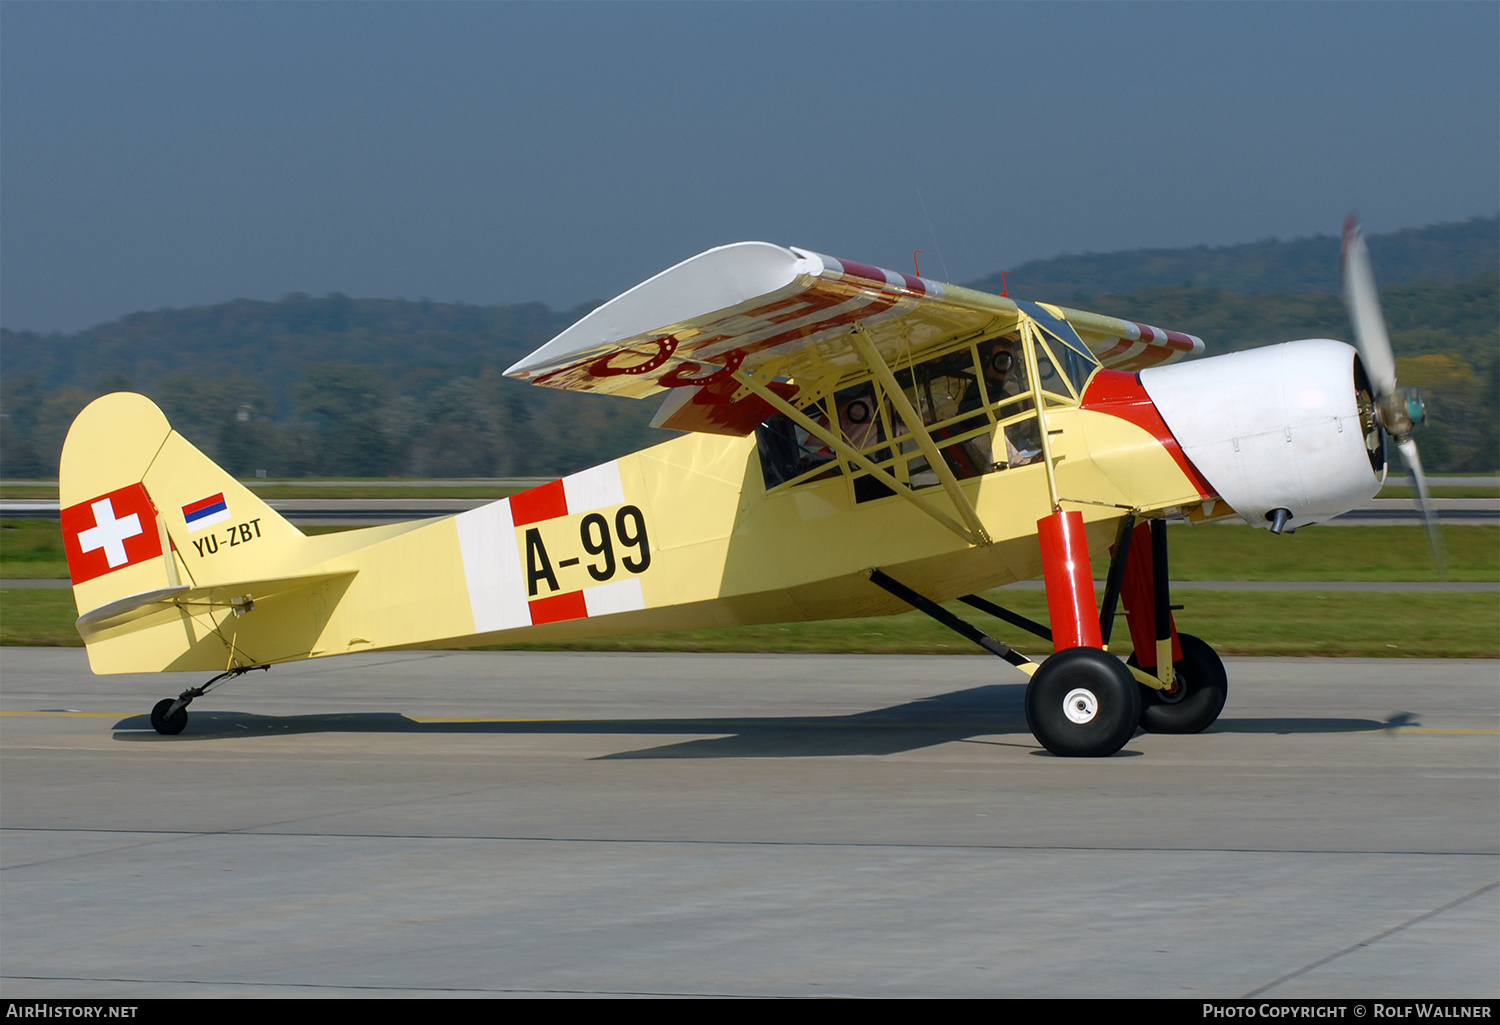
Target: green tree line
{"x":1441,"y":252}
{"x":335,"y":386}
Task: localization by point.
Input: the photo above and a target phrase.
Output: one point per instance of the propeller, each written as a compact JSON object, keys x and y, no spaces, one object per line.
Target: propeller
{"x":1397,"y":410}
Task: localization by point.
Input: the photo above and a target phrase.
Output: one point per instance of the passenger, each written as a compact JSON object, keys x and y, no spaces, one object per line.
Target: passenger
{"x":815,"y":451}
{"x":857,"y":418}
{"x":788,"y":450}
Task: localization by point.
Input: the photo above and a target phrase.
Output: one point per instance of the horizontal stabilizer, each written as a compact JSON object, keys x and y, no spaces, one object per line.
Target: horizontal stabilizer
{"x":240,"y":596}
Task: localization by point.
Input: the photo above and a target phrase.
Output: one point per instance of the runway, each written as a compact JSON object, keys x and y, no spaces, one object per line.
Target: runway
{"x":524,"y":823}
{"x":364,"y":512}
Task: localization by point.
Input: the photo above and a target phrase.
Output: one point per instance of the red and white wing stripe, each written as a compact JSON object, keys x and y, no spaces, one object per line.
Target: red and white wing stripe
{"x":836,"y":269}
{"x":1131,"y":346}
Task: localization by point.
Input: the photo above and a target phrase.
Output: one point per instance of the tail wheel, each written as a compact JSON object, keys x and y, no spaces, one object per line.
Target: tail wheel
{"x":1201,"y":687}
{"x":168,"y":725}
{"x":1082,"y":703}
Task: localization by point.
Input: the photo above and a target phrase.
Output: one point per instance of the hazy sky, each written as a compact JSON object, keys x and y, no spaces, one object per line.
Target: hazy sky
{"x":179,"y":154}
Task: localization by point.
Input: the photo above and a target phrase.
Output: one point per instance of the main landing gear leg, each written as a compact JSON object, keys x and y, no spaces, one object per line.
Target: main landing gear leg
{"x":1082,"y":702}
{"x":1199,"y":685}
{"x":169,"y":715}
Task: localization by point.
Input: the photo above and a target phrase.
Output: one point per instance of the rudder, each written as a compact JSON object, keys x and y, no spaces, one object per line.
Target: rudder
{"x":143,"y":511}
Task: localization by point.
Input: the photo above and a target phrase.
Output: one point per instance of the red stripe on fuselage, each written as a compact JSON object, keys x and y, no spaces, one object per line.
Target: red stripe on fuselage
{"x":542,"y":503}
{"x":558,"y":608}
{"x":1120,"y":394}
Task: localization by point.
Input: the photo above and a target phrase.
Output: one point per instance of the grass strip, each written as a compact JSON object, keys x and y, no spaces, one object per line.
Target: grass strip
{"x":1237,"y":552}
{"x":1441,"y":491}
{"x":271,"y":492}
{"x":39,"y":618}
{"x":1286,"y":623}
{"x":418,"y":489}
{"x":33,"y":550}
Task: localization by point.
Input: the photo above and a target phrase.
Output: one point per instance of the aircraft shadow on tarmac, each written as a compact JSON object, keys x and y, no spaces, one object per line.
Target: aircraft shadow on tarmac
{"x":992,"y":710}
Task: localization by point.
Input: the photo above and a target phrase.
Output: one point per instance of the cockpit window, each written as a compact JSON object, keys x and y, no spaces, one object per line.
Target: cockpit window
{"x":788,"y":451}
{"x":1072,"y":355}
{"x":1061,"y":366}
{"x":976,"y":401}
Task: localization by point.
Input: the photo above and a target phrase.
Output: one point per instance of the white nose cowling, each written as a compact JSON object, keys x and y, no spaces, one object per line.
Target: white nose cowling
{"x":1285,"y":433}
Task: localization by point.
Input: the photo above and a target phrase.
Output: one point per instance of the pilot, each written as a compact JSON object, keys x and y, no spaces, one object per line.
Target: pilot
{"x":998,"y":357}
{"x":1005,"y":376}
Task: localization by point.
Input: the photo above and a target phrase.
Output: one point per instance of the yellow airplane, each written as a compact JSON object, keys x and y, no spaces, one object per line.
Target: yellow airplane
{"x":856,"y":442}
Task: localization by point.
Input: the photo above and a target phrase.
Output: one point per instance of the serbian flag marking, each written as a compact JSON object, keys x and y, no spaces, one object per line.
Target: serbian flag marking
{"x":109,"y":533}
{"x":205,"y":512}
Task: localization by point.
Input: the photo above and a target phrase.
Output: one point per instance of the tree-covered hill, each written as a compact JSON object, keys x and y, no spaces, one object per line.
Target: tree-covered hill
{"x":1446,"y":338}
{"x":276,"y":341}
{"x":1443,"y":252}
{"x":372,"y":387}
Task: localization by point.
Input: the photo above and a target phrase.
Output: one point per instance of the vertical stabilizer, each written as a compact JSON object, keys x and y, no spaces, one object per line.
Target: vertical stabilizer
{"x":146,"y":516}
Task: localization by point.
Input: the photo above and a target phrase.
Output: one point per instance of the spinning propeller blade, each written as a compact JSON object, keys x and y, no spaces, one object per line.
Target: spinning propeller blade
{"x":1424,"y":499}
{"x":1397,"y":411}
{"x":1363,"y":302}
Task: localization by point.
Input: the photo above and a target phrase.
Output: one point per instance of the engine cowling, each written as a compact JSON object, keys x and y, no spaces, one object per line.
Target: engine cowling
{"x":1286,"y":434}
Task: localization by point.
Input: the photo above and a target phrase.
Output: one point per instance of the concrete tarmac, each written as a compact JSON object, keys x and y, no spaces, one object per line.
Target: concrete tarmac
{"x":517,"y":823}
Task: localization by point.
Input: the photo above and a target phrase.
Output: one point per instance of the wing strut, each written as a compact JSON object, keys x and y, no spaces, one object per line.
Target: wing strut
{"x":913,"y":422}
{"x":846,"y":451}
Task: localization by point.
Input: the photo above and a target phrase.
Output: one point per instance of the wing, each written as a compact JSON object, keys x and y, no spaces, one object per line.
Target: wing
{"x":788,"y":314}
{"x":745,"y":306}
{"x":1126,"y":345}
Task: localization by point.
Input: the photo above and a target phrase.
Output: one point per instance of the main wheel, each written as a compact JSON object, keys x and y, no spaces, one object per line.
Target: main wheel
{"x":1192,"y":705}
{"x":168,"y":725}
{"x":1082,"y":703}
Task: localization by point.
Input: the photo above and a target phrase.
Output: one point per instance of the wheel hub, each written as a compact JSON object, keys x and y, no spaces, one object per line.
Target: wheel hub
{"x":1175,"y":693}
{"x":1080,"y":705}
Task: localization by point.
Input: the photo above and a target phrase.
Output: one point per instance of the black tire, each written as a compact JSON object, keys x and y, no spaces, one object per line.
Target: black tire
{"x":172,"y":726}
{"x":1082,"y":703}
{"x":1202,"y":687}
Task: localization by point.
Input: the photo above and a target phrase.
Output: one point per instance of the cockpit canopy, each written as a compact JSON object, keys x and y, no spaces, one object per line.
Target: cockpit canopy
{"x":976,"y":398}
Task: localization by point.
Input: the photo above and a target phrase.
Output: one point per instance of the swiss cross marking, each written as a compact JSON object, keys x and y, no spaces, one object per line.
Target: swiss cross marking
{"x":109,"y":533}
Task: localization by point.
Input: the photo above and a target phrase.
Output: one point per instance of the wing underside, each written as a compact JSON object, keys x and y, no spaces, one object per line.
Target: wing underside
{"x":788,"y":315}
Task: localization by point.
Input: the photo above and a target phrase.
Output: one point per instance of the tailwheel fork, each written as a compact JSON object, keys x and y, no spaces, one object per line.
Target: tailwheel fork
{"x":169,"y":715}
